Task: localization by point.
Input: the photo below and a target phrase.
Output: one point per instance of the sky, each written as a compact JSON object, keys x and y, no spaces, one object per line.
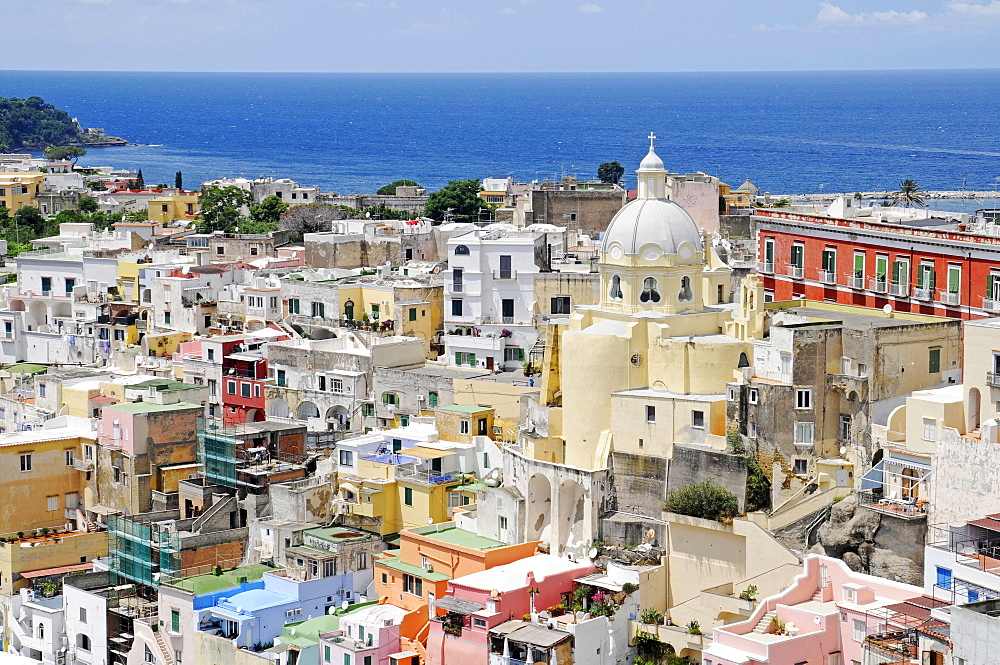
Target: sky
{"x":498,"y":35}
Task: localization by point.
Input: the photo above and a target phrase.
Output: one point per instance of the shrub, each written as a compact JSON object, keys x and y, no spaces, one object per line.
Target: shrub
{"x":651,"y":615}
{"x":750,"y":593}
{"x":694,"y":628}
{"x":630,"y":588}
{"x":705,"y":500}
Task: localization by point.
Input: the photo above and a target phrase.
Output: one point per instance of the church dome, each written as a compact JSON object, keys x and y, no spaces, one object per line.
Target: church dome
{"x":651,"y":162}
{"x":652,"y":222}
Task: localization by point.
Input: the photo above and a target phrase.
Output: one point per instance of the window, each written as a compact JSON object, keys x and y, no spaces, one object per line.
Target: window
{"x":901,"y":273}
{"x":70,"y":283}
{"x":859,"y":630}
{"x":318,"y":309}
{"x":368,"y":410}
{"x":829,"y":261}
{"x":954,"y":278}
{"x":88,"y":452}
{"x":25,"y":462}
{"x":560,"y":305}
{"x":347,"y":659}
{"x":322,"y":382}
{"x":432,"y":398}
{"x":70,"y":455}
{"x":326,"y":653}
{"x":231,"y":387}
{"x":797,"y":256}
{"x":859,"y":266}
{"x":616,"y":288}
{"x":845,"y":427}
{"x":503,"y":523}
{"x":46,"y":285}
{"x":649,"y":292}
{"x":803,"y":398}
{"x":413,"y":314}
{"x":698,"y":419}
{"x":513,"y":354}
{"x":407,"y":496}
{"x":769,"y":255}
{"x":461,"y":250}
{"x":148,"y":655}
{"x":347,"y":458}
{"x":337,"y":385}
{"x":385,"y":578}
{"x":804,"y":434}
{"x":253,"y":250}
{"x":83,"y":642}
{"x":930,"y":429}
{"x":281,"y":378}
{"x":83,"y":615}
{"x":362,"y":561}
{"x":219,"y":250}
{"x":463,"y":427}
{"x":752,"y":395}
{"x":801,"y":467}
{"x":166,"y":317}
{"x":413,"y":585}
{"x":925,"y":276}
{"x":934,"y":361}
{"x":456,"y":307}
{"x":245,"y":389}
{"x":390,"y":398}
{"x":752,"y":430}
{"x":293,"y":306}
{"x":650,"y":413}
{"x":52,"y":503}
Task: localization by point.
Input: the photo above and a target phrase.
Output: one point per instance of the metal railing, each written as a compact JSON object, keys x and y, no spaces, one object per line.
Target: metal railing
{"x":949,"y":297}
{"x":879,"y":285}
{"x":856,"y":281}
{"x":504,"y":274}
{"x":795,"y":272}
{"x":827,"y":277}
{"x":899,"y":289}
{"x":765,"y":266}
{"x":904,"y":508}
{"x":991,"y":305}
{"x":923,"y":294}
{"x":993,"y":379}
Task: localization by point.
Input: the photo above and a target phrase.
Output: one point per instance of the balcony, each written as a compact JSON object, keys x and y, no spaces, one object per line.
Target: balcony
{"x":907,"y":509}
{"x":898,"y":644}
{"x":424,"y":477}
{"x":827,"y":277}
{"x":923,"y":294}
{"x":856,"y":281}
{"x":993,"y":379}
{"x":949,"y":298}
{"x":504,"y":274}
{"x":765,"y":267}
{"x":899,"y":290}
{"x":795,"y":272}
{"x":83,"y":465}
{"x":457,"y":287}
{"x":879,"y":285}
{"x":991,"y":305}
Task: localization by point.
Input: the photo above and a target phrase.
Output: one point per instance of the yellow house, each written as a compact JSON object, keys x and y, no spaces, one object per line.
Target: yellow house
{"x":414,"y":304}
{"x":52,"y":554}
{"x":172,"y":205}
{"x":38,"y":467}
{"x":128,"y":280}
{"x":461,"y":422}
{"x":20,"y":189}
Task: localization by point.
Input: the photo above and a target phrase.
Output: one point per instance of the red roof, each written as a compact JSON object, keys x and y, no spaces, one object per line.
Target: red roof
{"x":104,"y":399}
{"x":57,"y":570}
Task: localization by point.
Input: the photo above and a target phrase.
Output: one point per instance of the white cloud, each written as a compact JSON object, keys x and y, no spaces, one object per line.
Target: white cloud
{"x":833,"y":16}
{"x":507,"y":11}
{"x":774,"y":27}
{"x":974,"y":9}
{"x":591,"y":8}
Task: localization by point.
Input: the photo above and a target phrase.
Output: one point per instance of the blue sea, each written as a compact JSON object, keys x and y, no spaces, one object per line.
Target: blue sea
{"x":789,"y":132}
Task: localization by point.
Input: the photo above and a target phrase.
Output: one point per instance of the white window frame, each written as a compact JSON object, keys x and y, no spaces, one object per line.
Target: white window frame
{"x":801,"y":429}
{"x":26,"y":461}
{"x":752,"y":396}
{"x":930,"y":429}
{"x":803,"y":398}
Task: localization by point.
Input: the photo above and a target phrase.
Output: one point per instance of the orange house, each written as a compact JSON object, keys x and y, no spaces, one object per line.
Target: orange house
{"x":428,"y":557}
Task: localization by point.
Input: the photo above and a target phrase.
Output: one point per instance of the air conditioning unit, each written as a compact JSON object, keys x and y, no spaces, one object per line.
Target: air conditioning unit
{"x":428,"y":566}
{"x":420,"y":398}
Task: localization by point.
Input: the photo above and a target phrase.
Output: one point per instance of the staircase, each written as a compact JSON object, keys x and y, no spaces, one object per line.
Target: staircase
{"x":764,"y":623}
{"x":168,"y":654}
{"x":818,"y":596}
{"x":226,"y":505}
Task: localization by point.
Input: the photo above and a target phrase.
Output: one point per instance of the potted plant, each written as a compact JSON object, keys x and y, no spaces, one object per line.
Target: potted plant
{"x":694,"y":628}
{"x":750,"y":593}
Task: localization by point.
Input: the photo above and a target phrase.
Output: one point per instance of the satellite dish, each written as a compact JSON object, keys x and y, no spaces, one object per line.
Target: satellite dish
{"x":650,"y":533}
{"x":344,"y":605}
{"x":495,"y":593}
{"x":331,"y":610}
{"x":185,"y":270}
{"x":430,"y":520}
{"x":592,"y":552}
{"x":887,"y":309}
{"x":368,"y":215}
{"x":843,"y":450}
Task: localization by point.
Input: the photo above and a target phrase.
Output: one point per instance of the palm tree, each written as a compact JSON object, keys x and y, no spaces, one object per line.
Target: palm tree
{"x":910,"y":193}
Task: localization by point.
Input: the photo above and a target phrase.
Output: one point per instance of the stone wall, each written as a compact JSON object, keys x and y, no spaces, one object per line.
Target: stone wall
{"x":691,"y":466}
{"x":592,"y":210}
{"x":966,"y":477}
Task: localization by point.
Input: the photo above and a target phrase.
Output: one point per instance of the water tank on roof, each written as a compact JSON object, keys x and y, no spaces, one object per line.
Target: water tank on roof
{"x":991,"y":431}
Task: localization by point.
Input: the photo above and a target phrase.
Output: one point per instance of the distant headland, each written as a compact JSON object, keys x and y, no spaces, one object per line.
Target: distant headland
{"x":34,"y":124}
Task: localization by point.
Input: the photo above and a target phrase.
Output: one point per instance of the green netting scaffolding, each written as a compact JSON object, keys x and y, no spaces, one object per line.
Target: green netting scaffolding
{"x":142,"y":552}
{"x":217,"y":453}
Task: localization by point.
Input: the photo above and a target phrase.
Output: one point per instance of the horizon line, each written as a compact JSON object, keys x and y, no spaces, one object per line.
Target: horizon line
{"x":516,"y":73}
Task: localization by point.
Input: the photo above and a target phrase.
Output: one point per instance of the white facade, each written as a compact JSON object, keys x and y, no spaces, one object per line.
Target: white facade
{"x":37,"y":628}
{"x":489,"y":297}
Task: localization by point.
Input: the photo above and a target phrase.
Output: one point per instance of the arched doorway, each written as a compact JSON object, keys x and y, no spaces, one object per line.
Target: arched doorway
{"x":910,"y":487}
{"x":255,"y":416}
{"x":539,"y":510}
{"x":278,"y":408}
{"x":572,"y":510}
{"x":307,"y":410}
{"x":37,"y":315}
{"x":338,"y":417}
{"x":975,"y":406}
{"x":349,"y":310}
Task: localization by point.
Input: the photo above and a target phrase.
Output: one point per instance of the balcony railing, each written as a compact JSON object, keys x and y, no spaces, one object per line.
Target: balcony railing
{"x":827,"y":277}
{"x":993,"y":379}
{"x":504,"y":274}
{"x":457,"y":287}
{"x":856,"y":281}
{"x":923,"y":294}
{"x":991,"y":305}
{"x":949,"y":298}
{"x":426,"y":477}
{"x":879,"y":285}
{"x":795,"y":272}
{"x":899,"y":290}
{"x":903,"y":508}
{"x":765,"y":266}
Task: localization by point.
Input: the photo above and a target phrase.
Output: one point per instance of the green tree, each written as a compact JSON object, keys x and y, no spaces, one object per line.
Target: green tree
{"x":140,"y":183}
{"x":909,"y":193}
{"x":264,"y":216}
{"x":58,"y":153}
{"x":88,"y":204}
{"x":390,"y":189}
{"x":705,"y":500}
{"x":222,"y":208}
{"x":33,"y":123}
{"x":459,"y":200}
{"x":95,"y":185}
{"x":29,"y":220}
{"x":179,"y":180}
{"x":610,"y":172}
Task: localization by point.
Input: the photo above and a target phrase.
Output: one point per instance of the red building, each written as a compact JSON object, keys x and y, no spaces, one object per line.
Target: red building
{"x":873,"y":264}
{"x":243,"y":378}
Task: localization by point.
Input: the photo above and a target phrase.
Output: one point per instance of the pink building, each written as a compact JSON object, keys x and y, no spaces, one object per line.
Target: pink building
{"x":366,"y":637}
{"x":829,"y":616}
{"x":481,"y":601}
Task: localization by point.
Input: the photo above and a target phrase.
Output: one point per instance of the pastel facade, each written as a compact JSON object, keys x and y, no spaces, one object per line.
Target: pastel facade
{"x":18,"y":190}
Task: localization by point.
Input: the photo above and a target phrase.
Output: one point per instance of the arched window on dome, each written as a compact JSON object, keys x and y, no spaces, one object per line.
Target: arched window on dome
{"x":616,"y":288}
{"x":686,"y":293}
{"x":649,"y":292}
{"x":462,"y":250}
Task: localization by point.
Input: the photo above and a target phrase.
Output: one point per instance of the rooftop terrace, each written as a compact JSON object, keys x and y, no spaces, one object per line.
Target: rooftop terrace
{"x":210,"y":582}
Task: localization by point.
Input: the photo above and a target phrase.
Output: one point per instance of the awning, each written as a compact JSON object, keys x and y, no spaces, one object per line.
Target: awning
{"x":427,"y":453}
{"x":732,"y":654}
{"x":907,"y":464}
{"x":246,"y":357}
{"x":458,"y":605}
{"x":879,"y":475}
{"x":57,"y":570}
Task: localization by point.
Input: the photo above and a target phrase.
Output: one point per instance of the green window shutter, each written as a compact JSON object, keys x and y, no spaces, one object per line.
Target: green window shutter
{"x":921,"y":276}
{"x":432,"y":399}
{"x":769,"y":251}
{"x":934,"y":361}
{"x":989,"y":286}
{"x":413,"y":314}
{"x":895,"y":272}
{"x":881,"y":266}
{"x":953,"y":277}
{"x":472,"y":359}
{"x":859,"y":265}
{"x":385,"y":398}
{"x":520,"y":354}
{"x":932,"y":279}
{"x":458,"y":358}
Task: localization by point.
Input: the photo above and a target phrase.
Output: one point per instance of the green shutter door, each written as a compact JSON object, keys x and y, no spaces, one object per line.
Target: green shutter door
{"x":859,"y":265}
{"x":953,"y":277}
{"x":458,"y":358}
{"x":989,"y":286}
{"x":881,"y":267}
{"x":472,"y":359}
{"x":769,"y":251}
{"x":895,"y":272}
